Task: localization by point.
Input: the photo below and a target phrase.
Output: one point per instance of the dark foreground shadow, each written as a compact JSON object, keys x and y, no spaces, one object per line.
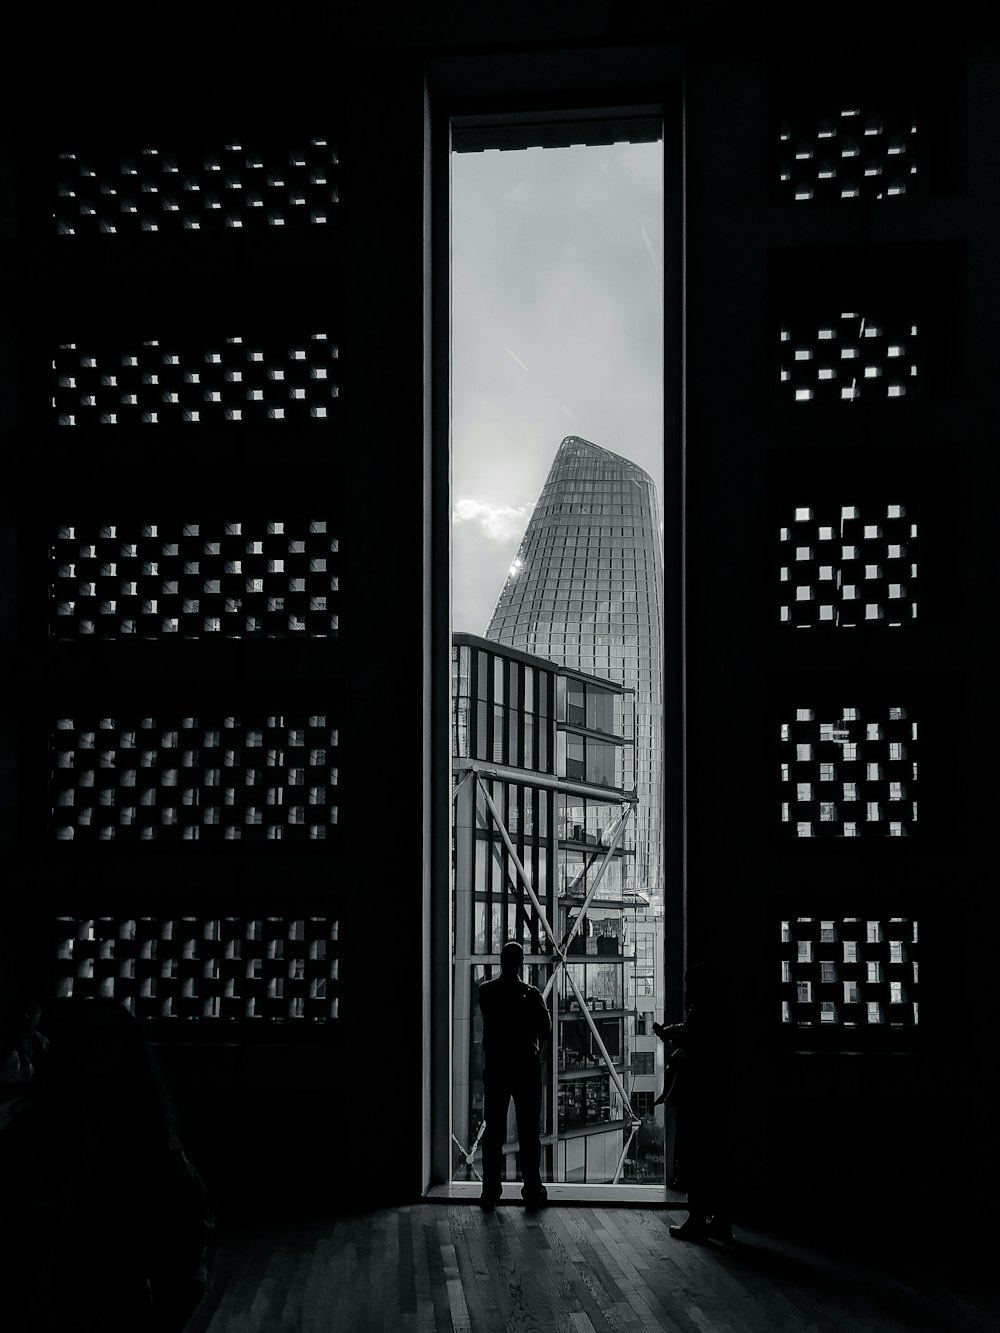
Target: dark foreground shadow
{"x":860,"y":1275}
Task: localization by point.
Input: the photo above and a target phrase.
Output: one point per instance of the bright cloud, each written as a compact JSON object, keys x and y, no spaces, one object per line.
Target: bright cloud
{"x":501,"y":523}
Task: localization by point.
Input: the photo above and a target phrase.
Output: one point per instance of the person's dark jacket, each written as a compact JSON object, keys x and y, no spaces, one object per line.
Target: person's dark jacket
{"x":699,"y":1067}
{"x":516,"y":1021}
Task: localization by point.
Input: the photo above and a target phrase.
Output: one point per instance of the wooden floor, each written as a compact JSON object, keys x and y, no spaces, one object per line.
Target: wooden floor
{"x":439,"y":1267}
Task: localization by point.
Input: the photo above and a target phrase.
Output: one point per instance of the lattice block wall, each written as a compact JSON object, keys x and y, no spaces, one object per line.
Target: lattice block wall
{"x":848,"y":151}
{"x":189,"y":778}
{"x":191,"y":968}
{"x":161,"y":187}
{"x":848,"y":565}
{"x":847,"y":356}
{"x":192,"y":378}
{"x":242,"y":578}
{"x":849,"y":772}
{"x":849,"y":972}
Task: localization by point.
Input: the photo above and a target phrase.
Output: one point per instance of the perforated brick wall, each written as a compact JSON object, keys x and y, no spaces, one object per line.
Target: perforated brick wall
{"x":190,"y":378}
{"x":848,"y":355}
{"x":849,"y":772}
{"x":849,"y":151}
{"x":242,"y":578}
{"x":155,"y":186}
{"x":849,"y":972}
{"x":188,"y":778}
{"x":848,"y":565}
{"x":187,"y":968}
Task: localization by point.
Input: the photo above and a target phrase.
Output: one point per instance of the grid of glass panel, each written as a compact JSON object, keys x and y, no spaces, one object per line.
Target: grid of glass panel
{"x":848,"y":565}
{"x":580,"y":1058}
{"x":849,"y":772}
{"x":501,"y":909}
{"x":579,"y":1054}
{"x":242,"y":578}
{"x":585,"y":821}
{"x":131,"y":779}
{"x":847,"y":356}
{"x":849,"y":972}
{"x":502,"y":710}
{"x":197,"y":969}
{"x":163,"y":187}
{"x":193,"y":378}
{"x":846,"y":151}
{"x":585,"y":590}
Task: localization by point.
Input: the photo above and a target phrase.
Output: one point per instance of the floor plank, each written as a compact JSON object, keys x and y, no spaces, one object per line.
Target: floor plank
{"x":450,"y":1268}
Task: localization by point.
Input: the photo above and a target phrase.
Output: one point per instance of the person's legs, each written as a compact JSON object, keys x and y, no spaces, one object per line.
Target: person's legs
{"x":496,"y":1099}
{"x":705,"y":1175}
{"x":715,"y":1193}
{"x":690,"y":1136}
{"x":528,"y":1107}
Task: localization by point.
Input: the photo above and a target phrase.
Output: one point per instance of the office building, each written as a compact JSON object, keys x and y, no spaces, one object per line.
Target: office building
{"x":585,"y":590}
{"x":541,"y":758}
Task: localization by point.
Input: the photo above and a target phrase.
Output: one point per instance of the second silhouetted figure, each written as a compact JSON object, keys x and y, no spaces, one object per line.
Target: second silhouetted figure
{"x":516,"y":1024}
{"x":699,"y":1072}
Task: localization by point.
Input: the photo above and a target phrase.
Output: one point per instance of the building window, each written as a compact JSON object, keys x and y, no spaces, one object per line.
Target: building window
{"x":642,"y":1104}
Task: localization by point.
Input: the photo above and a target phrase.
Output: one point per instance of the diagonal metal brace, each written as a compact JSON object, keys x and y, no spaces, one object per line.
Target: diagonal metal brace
{"x":621,"y":1160}
{"x":559,"y":950}
{"x":470,"y":1153}
{"x":461,"y":783}
{"x":522,"y":874}
{"x":585,"y":905}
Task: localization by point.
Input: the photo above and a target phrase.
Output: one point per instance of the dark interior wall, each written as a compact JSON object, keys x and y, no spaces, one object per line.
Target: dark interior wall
{"x":275,"y":1114}
{"x":822,"y":1129}
{"x":340,"y":1116}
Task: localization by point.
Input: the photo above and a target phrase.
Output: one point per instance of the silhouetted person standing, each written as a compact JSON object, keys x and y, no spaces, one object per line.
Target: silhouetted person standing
{"x":697,"y":1085}
{"x":515,"y":1025}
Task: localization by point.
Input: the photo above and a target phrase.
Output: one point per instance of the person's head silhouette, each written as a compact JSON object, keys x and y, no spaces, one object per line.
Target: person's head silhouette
{"x":511,"y":959}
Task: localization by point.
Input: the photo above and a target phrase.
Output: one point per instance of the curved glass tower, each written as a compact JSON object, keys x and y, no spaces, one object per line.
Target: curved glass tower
{"x":585,"y":590}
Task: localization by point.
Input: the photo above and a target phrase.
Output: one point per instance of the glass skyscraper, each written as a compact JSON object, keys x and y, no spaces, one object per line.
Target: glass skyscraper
{"x":585,"y":591}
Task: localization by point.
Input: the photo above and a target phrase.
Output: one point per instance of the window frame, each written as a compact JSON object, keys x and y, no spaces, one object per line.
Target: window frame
{"x":518,"y":90}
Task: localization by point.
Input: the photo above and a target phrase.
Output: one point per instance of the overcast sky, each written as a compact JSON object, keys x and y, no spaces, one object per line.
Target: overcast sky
{"x":557,"y":322}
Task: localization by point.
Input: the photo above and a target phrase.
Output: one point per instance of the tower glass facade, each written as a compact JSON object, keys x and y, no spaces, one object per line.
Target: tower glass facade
{"x":585,"y":590}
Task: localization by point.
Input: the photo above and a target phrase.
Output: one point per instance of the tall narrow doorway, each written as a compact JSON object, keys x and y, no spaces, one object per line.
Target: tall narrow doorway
{"x":558,"y":812}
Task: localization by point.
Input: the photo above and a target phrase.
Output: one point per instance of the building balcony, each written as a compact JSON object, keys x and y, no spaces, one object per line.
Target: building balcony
{"x":576,"y":840}
{"x":577,"y":896}
{"x":580,"y":1129}
{"x":575,"y":1068}
{"x":607,"y":948}
{"x":580,"y":728}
